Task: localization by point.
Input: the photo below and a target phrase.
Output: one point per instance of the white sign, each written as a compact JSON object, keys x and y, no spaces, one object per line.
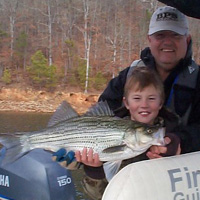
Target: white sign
{"x":170,"y":178}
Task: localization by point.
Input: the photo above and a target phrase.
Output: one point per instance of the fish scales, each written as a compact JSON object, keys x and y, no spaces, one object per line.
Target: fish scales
{"x":82,"y":133}
{"x":113,"y":138}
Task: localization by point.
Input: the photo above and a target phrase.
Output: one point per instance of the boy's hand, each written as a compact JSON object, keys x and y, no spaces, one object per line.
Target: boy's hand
{"x":172,"y":148}
{"x":87,"y":157}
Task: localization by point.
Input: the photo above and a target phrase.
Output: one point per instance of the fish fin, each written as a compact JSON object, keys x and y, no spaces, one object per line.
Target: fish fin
{"x":111,"y":168}
{"x":114,"y":149}
{"x":16,"y":146}
{"x":62,"y":113}
{"x":100,"y":109}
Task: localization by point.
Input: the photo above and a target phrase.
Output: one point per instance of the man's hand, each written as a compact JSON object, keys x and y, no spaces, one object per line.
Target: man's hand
{"x":171,"y":148}
{"x":87,"y":157}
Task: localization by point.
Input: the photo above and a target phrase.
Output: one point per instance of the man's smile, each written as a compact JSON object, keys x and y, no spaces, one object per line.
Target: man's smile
{"x":167,"y":50}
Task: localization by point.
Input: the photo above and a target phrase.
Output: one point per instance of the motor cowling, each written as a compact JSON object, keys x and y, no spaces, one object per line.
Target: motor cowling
{"x":35,"y":177}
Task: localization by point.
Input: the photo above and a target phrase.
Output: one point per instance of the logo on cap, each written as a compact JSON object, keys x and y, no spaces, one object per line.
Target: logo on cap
{"x":167,"y":16}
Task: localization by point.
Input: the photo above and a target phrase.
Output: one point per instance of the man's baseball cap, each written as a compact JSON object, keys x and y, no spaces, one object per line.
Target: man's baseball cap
{"x":168,"y":19}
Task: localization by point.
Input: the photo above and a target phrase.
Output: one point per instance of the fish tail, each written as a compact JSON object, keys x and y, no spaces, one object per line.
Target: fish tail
{"x":16,"y":146}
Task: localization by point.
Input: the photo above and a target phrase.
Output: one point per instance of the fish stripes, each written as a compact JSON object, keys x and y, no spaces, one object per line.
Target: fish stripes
{"x":97,"y":129}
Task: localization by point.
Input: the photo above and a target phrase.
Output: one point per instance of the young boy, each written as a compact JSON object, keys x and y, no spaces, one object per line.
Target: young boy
{"x":143,"y":97}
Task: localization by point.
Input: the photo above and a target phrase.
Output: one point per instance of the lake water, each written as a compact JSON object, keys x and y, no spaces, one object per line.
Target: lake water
{"x":11,"y":122}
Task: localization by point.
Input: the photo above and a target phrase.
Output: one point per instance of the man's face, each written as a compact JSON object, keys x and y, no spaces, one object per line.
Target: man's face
{"x":168,"y":48}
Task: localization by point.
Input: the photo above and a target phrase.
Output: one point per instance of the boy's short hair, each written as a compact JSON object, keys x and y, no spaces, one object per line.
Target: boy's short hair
{"x":140,"y":78}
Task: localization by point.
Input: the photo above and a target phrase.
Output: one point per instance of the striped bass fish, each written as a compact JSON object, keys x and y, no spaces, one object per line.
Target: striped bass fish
{"x":113,"y":138}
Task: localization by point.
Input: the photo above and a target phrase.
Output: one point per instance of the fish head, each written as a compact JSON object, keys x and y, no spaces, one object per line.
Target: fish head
{"x":153,"y":134}
{"x":143,"y":136}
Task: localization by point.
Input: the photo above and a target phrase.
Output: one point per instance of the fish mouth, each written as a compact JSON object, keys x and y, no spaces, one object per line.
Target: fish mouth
{"x":160,"y":143}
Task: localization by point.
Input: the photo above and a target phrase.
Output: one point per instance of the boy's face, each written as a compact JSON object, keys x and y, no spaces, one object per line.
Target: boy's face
{"x":143,"y":105}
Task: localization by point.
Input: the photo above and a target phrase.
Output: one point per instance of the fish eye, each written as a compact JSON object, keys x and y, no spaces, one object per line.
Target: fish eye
{"x":149,"y":131}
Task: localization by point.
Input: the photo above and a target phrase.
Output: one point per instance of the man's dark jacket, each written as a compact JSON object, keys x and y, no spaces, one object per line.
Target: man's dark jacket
{"x":190,"y":133}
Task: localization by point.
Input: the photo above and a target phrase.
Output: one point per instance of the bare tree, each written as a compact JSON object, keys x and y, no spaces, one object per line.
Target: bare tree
{"x":87,"y":31}
{"x":10,"y":10}
{"x":47,"y":12}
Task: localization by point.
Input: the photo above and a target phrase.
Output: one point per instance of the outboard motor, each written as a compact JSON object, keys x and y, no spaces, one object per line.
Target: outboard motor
{"x":35,"y":177}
